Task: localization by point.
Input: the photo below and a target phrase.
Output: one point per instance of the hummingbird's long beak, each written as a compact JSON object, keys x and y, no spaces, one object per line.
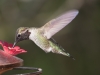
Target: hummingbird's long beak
{"x":14,"y":43}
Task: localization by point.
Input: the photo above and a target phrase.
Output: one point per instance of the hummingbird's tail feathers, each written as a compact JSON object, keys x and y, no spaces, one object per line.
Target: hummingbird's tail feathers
{"x":58,"y":48}
{"x":72,"y":57}
{"x":67,"y":54}
{"x":63,"y":53}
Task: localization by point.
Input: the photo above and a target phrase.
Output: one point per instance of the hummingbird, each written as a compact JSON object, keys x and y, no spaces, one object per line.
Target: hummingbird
{"x":42,"y":36}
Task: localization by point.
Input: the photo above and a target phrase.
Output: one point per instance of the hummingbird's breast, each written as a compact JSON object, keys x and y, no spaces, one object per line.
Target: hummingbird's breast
{"x":40,"y":40}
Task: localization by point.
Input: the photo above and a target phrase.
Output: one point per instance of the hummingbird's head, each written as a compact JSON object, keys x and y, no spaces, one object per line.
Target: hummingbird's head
{"x":22,"y":33}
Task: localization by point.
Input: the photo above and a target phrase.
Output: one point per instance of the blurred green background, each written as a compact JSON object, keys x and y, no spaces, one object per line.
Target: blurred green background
{"x":81,"y":38}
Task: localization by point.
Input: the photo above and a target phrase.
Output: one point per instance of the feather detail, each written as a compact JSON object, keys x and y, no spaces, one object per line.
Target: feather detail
{"x":55,"y":25}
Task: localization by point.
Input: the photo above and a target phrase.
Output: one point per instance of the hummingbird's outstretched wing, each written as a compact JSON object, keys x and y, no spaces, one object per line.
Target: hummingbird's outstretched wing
{"x":55,"y":25}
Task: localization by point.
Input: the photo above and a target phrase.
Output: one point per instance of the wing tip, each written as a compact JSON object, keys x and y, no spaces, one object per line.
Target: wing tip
{"x":75,"y":11}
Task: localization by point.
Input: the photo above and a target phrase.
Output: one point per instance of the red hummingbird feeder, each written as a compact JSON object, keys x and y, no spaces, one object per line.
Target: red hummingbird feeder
{"x":8,"y":60}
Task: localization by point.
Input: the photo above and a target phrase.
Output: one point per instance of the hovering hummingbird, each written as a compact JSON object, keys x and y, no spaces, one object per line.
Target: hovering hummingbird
{"x":42,"y":36}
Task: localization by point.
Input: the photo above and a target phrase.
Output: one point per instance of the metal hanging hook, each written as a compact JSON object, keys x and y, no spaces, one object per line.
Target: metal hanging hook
{"x":38,"y":70}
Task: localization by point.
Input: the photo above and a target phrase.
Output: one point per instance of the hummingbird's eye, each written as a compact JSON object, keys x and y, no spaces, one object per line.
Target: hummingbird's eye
{"x":18,"y":35}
